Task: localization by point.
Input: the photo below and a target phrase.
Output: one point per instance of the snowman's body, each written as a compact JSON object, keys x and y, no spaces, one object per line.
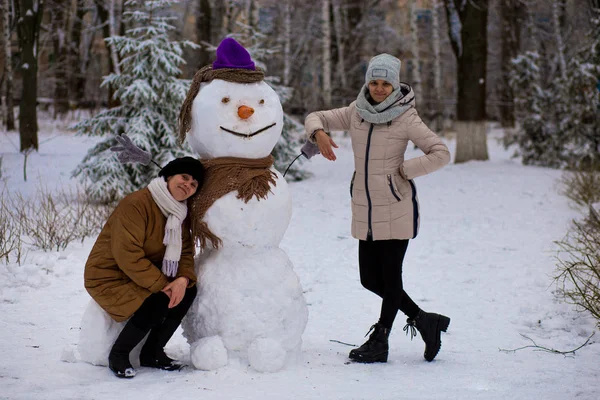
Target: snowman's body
{"x":250,"y":303}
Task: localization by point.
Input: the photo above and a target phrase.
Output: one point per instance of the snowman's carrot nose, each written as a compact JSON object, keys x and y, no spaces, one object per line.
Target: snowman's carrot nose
{"x":245,"y":112}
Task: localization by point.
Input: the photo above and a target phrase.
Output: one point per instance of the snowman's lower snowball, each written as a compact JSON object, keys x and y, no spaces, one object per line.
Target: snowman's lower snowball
{"x":209,"y":353}
{"x":266,"y":355}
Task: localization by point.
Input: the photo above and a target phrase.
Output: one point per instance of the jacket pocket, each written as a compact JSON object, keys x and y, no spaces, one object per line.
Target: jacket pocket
{"x":393,"y":188}
{"x":352,"y":183}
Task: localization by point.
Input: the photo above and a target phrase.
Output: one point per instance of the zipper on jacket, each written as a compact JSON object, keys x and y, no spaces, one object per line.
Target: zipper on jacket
{"x":392,"y":188}
{"x":415,"y":207}
{"x":370,"y":231}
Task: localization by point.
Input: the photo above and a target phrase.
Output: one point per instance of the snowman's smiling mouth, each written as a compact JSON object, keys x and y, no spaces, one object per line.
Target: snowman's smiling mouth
{"x":248,"y":135}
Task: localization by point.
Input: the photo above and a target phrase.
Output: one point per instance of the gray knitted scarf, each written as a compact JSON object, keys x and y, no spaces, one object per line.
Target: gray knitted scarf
{"x":400,"y":100}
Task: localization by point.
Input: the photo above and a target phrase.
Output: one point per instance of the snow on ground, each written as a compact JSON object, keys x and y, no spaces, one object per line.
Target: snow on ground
{"x":484,"y":257}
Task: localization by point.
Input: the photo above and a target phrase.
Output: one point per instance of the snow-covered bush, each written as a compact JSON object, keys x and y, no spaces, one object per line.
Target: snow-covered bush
{"x":578,"y":267}
{"x":150,"y":95}
{"x":559,"y":118}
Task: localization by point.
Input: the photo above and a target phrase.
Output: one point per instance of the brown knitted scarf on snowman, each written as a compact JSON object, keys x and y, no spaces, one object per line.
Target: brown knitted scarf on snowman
{"x":250,"y":177}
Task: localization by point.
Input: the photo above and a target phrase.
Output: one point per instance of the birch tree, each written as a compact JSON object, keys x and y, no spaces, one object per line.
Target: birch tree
{"x":437,"y":67}
{"x":287,"y":42}
{"x":60,"y":24}
{"x":414,"y":46}
{"x":326,"y":42}
{"x":467,"y":28}
{"x":339,"y":33}
{"x":9,"y":118}
{"x":29,"y":16}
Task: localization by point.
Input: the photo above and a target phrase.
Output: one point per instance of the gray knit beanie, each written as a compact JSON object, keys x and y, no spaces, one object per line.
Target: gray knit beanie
{"x":385,"y":67}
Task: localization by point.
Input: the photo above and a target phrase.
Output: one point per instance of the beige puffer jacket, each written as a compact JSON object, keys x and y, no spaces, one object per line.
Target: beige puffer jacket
{"x":384,"y":196}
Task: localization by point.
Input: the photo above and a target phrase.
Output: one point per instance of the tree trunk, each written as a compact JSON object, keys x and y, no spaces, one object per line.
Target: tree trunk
{"x":470,"y":49}
{"x":217,"y":21}
{"x":414,"y":46}
{"x":8,"y":103}
{"x":60,"y":32}
{"x":287,"y":42}
{"x":437,"y":69}
{"x":203,"y":32}
{"x":471,"y":141}
{"x":512,"y":19}
{"x":326,"y":30}
{"x":29,"y":16}
{"x":112,"y":28}
{"x":104,"y":15}
{"x":78,"y":53}
{"x":337,"y":24}
{"x":560,"y":46}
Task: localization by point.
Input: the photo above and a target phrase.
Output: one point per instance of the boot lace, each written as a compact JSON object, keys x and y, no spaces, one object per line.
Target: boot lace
{"x":410,"y":327}
{"x":371,"y":329}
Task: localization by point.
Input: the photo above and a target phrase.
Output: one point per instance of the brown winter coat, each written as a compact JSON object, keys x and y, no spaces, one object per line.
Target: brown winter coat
{"x":384,"y":197}
{"x":123,"y":268}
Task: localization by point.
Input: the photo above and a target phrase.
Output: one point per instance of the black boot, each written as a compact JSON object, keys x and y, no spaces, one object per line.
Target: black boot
{"x":118,"y":359}
{"x":153,"y":354}
{"x":430,"y":326}
{"x":375,"y":349}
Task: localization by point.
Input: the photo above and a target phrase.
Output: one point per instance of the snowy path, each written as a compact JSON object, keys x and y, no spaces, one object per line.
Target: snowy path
{"x":484,"y":257}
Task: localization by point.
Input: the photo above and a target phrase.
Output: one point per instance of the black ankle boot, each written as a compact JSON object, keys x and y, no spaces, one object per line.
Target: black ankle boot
{"x":118,"y":359}
{"x":153,"y":354}
{"x":375,"y":349}
{"x":430,"y":326}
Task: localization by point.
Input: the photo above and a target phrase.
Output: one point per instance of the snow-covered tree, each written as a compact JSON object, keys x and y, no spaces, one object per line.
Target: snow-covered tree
{"x":149,"y":96}
{"x":560,"y":122}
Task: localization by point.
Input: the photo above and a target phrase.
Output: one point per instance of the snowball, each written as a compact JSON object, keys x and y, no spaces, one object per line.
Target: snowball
{"x":69,"y":354}
{"x":266,"y":355}
{"x":209,"y":353}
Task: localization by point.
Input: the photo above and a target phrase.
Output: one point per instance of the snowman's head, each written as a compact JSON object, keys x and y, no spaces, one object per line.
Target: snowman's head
{"x":230,"y":119}
{"x":229,"y":110}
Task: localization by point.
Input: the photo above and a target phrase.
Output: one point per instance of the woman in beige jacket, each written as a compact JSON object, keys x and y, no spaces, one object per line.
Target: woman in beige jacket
{"x":385,"y":208}
{"x":141,"y":267}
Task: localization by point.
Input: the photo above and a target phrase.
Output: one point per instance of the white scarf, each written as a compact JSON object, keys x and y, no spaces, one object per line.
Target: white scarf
{"x":175,"y":211}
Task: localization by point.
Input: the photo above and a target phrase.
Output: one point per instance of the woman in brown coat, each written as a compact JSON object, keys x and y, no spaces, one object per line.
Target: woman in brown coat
{"x":385,"y":208}
{"x":141,"y":267}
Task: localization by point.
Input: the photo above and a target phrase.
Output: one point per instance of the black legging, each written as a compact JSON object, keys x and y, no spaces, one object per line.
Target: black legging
{"x":380,"y":263}
{"x":155,"y":309}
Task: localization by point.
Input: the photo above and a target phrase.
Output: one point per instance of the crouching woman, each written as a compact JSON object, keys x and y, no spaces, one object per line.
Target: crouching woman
{"x":141,"y":268}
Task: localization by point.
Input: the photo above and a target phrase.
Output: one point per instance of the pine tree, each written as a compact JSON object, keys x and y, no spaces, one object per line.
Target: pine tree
{"x":149,"y":95}
{"x":537,"y":140}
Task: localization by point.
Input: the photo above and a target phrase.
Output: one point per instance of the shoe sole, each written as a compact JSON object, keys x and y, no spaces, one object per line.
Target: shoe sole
{"x":381,"y":358}
{"x":441,"y":326}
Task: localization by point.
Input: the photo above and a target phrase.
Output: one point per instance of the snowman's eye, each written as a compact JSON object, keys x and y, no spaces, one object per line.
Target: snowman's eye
{"x":262,"y":101}
{"x":225,"y":100}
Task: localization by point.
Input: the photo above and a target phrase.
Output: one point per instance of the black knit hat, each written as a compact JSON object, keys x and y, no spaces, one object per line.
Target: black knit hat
{"x":184,"y":165}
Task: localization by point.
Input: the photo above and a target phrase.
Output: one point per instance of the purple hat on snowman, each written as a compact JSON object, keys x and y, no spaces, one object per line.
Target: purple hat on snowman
{"x":233,"y":64}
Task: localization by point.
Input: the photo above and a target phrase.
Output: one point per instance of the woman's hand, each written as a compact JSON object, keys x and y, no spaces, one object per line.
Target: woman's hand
{"x":176,"y":290}
{"x":325,"y":144}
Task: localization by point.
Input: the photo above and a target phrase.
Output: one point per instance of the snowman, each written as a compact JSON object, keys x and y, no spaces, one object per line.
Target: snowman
{"x":250,"y":306}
